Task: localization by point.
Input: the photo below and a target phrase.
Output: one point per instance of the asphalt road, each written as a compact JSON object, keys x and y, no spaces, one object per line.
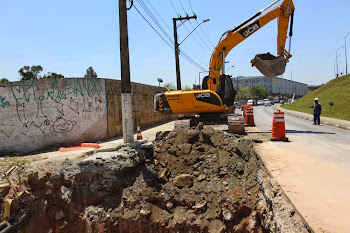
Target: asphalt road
{"x":313,"y":169}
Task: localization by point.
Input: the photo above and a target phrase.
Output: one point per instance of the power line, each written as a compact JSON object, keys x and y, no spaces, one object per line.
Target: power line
{"x":183,"y":7}
{"x":196,"y":32}
{"x":191,"y":6}
{"x":151,"y":15}
{"x":153,"y":28}
{"x":183,"y":54}
{"x":189,"y":2}
{"x":160,"y":17}
{"x":194,"y":55}
{"x":205,"y":34}
{"x":147,"y":10}
{"x":174,"y":8}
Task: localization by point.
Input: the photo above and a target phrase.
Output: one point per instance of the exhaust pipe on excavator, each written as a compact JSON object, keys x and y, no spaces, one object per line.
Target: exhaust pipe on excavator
{"x":269,"y":65}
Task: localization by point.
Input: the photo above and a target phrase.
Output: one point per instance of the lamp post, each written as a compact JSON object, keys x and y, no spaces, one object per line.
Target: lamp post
{"x":159,"y":81}
{"x":204,"y":21}
{"x":199,"y":76}
{"x":337,"y":68}
{"x":346,"y":56}
{"x":336,"y":57}
{"x":177,"y":51}
{"x":334,"y":66}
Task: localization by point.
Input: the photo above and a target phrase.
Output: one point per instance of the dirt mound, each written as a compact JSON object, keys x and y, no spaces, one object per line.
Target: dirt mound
{"x":190,"y":180}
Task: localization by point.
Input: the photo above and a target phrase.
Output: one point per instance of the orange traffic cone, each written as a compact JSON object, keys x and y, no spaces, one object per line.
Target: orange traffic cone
{"x":278,"y":127}
{"x":139,"y":135}
{"x":249,"y":119}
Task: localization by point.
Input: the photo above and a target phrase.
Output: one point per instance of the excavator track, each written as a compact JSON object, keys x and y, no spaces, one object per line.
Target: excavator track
{"x":234,"y":122}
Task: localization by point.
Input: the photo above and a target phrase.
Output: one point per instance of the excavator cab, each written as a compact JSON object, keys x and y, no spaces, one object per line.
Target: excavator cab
{"x":227,"y":93}
{"x":269,"y":65}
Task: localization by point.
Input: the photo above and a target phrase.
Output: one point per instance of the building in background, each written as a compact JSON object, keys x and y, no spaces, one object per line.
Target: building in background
{"x":275,"y":86}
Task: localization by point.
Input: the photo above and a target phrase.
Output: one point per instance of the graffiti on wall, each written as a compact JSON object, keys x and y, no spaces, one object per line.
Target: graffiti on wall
{"x":3,"y":103}
{"x":49,"y":107}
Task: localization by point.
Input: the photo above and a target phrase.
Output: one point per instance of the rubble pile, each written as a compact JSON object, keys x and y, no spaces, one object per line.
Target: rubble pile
{"x":189,"y":180}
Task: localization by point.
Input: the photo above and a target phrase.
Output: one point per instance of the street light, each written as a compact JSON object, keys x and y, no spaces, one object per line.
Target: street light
{"x":206,"y":20}
{"x":334,"y":66}
{"x":199,"y":76}
{"x":346,"y":57}
{"x":336,"y":56}
{"x":159,"y":80}
{"x":337,"y":67}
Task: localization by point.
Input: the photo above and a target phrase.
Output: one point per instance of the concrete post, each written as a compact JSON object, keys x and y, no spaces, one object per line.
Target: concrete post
{"x":127,"y":114}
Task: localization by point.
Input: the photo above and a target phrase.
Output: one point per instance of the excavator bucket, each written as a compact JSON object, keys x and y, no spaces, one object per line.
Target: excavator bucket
{"x":269,"y":65}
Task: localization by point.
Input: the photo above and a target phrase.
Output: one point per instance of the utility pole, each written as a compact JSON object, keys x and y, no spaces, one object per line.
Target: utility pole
{"x":127,"y":115}
{"x":177,"y":51}
{"x":237,"y":89}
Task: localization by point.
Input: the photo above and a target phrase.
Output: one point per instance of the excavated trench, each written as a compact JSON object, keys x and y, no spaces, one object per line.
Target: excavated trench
{"x":188,"y":180}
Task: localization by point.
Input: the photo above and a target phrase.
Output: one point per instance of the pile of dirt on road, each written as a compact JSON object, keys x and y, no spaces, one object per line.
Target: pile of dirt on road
{"x":190,"y":180}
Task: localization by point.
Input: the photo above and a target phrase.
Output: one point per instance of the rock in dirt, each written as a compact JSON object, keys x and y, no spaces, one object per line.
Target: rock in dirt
{"x":185,"y":148}
{"x":145,"y":212}
{"x":184,"y":180}
{"x":201,"y":177}
{"x":59,"y":215}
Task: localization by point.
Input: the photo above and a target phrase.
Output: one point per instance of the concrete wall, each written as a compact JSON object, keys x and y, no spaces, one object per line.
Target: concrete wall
{"x":61,"y":112}
{"x":143,"y":106}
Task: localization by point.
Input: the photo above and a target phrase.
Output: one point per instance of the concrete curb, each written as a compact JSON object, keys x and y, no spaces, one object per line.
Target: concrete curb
{"x":342,"y":124}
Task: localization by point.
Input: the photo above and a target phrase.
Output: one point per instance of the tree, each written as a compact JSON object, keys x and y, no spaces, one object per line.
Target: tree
{"x":52,"y":75}
{"x":30,"y":73}
{"x":90,"y":73}
{"x":3,"y":80}
{"x":187,"y":88}
{"x":244,"y":93}
{"x":259,"y":92}
{"x":170,"y":86}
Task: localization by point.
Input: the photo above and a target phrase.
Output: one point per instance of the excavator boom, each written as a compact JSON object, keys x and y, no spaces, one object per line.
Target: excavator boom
{"x":267,"y":64}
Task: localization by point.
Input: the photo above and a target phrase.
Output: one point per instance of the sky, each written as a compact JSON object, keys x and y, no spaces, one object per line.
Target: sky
{"x":68,"y":36}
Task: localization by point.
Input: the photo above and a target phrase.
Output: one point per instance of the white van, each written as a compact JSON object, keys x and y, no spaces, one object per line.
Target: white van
{"x":250,"y":102}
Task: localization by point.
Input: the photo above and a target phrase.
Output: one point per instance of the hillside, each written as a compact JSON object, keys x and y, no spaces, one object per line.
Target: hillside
{"x":336,"y":91}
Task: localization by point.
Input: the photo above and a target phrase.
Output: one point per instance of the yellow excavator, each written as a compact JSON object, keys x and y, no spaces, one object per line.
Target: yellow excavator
{"x":215,"y":101}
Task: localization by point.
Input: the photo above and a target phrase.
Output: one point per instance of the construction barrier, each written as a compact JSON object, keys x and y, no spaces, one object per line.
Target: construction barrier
{"x":278,"y":127}
{"x":82,"y":146}
{"x":139,"y":135}
{"x":249,"y":116}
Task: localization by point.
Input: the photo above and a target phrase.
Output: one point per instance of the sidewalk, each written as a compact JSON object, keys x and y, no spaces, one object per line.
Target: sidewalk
{"x":343,"y":124}
{"x":148,"y":133}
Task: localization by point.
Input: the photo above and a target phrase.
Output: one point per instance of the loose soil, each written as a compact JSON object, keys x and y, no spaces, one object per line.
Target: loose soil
{"x":188,"y":180}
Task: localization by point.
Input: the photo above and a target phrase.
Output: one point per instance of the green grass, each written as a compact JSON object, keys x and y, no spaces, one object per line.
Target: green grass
{"x":336,"y":91}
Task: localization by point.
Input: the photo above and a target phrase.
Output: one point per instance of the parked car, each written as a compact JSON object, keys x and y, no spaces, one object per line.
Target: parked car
{"x":267,"y":102}
{"x":260,"y":102}
{"x":250,"y":102}
{"x":237,"y":104}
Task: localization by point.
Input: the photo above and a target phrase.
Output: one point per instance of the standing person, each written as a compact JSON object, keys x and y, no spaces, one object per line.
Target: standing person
{"x":317,"y":111}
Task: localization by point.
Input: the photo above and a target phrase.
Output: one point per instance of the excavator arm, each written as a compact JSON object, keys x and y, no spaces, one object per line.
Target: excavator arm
{"x":267,"y":64}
